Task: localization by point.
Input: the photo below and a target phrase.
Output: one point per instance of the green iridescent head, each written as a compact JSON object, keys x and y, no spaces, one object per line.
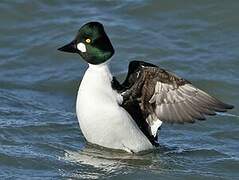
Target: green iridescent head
{"x":92,"y":43}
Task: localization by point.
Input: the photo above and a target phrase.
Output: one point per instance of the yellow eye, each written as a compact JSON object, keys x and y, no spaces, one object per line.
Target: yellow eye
{"x":88,"y":40}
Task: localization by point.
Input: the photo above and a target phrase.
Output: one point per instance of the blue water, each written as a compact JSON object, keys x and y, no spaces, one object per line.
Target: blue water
{"x":39,"y":133}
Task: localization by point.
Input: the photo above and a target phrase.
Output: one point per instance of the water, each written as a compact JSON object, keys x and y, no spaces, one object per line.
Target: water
{"x":39,"y":134}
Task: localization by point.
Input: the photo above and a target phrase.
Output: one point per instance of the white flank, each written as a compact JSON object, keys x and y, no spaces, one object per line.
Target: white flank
{"x":154,"y":124}
{"x":101,"y":119}
{"x":154,"y":128}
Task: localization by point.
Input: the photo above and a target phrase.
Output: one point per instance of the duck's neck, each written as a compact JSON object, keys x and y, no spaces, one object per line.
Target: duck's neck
{"x":100,"y":73}
{"x":100,"y":68}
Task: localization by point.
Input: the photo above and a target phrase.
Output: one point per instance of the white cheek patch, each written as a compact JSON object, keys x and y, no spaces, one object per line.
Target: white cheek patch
{"x":81,"y":47}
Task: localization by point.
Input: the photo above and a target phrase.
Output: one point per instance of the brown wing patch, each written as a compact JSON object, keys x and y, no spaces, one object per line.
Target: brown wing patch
{"x":169,"y":97}
{"x":184,"y":103}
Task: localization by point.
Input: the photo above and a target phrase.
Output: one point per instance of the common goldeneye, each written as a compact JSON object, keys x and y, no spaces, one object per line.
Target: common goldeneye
{"x":127,"y":116}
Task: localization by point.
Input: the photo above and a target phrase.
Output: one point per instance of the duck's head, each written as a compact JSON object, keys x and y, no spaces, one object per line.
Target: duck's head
{"x":92,"y":43}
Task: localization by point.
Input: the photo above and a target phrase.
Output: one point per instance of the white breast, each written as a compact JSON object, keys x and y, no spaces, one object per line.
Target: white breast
{"x":101,"y":119}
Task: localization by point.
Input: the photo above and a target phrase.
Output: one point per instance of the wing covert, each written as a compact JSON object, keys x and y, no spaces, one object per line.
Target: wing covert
{"x":167,"y":97}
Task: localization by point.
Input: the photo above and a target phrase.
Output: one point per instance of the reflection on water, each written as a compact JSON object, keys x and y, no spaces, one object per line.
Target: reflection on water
{"x":95,"y":162}
{"x":101,"y":160}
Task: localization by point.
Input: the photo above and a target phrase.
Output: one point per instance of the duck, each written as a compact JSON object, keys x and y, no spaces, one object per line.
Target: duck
{"x":127,"y":116}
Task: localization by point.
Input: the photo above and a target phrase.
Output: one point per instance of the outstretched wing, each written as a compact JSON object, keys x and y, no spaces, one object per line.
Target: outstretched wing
{"x":163,"y":96}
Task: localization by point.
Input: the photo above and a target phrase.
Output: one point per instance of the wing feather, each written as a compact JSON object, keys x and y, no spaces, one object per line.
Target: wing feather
{"x":168,"y":97}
